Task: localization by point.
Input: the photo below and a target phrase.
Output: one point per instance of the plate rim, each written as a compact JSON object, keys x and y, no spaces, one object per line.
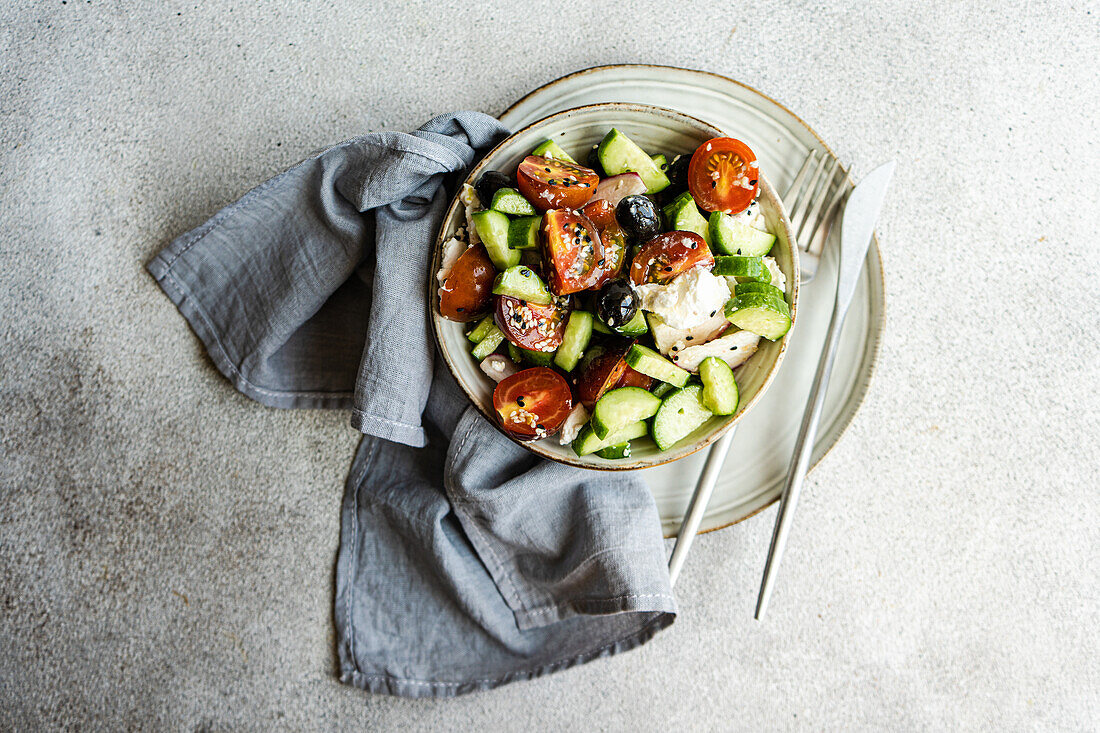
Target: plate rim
{"x":859,"y":394}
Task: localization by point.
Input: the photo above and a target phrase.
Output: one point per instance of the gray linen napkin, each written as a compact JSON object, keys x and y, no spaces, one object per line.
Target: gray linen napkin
{"x":465,"y":561}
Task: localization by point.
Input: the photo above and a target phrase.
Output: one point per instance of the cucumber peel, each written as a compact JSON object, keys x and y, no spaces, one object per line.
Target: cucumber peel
{"x":619,"y":154}
{"x":550,"y":149}
{"x":650,"y":363}
{"x":587,"y":442}
{"x":681,"y":413}
{"x":683,"y":216}
{"x":492,"y":227}
{"x":720,"y":394}
{"x":621,"y":407}
{"x":764,"y":314}
{"x":734,"y":237}
{"x":523,"y":283}
{"x":741,"y":267}
{"x":578,"y":333}
{"x":511,"y":201}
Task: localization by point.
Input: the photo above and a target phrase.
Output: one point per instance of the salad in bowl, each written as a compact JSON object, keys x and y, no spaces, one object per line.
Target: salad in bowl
{"x":613,"y":293}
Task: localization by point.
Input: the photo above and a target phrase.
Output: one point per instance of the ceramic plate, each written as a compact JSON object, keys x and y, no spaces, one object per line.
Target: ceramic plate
{"x":753,"y":473}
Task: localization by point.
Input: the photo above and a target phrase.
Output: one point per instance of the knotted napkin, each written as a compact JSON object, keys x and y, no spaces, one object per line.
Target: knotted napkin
{"x":465,"y":561}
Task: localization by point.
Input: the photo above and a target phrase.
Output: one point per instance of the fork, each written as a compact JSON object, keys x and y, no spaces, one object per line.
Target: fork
{"x":812,"y":199}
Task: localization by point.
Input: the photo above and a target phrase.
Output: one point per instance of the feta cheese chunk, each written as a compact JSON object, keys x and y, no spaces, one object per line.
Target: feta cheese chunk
{"x":779,"y":280}
{"x":573,"y":424}
{"x":688,"y":300}
{"x":452,"y":250}
{"x":669,"y":339}
{"x":734,"y":348}
{"x":472,"y":203}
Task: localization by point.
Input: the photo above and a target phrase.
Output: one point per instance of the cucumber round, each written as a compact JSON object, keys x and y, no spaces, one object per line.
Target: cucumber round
{"x":719,"y":387}
{"x":621,"y":407}
{"x":511,"y":201}
{"x":587,"y":442}
{"x":650,"y":363}
{"x":492,"y":227}
{"x":764,"y":314}
{"x":578,"y":332}
{"x":622,"y":450}
{"x":523,"y":232}
{"x":754,"y":287}
{"x":524,"y":283}
{"x":514,"y":353}
{"x":619,"y":154}
{"x":550,"y":149}
{"x":683,"y":216}
{"x":636,"y":326}
{"x":748,"y":268}
{"x":734,"y":237}
{"x":681,"y":413}
{"x":537,"y":358}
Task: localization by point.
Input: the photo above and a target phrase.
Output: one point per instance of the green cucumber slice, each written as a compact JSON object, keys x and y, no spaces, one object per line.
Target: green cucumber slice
{"x":578,"y":332}
{"x":749,"y":268}
{"x":636,"y":326}
{"x":619,"y":154}
{"x":754,"y":287}
{"x":511,"y":201}
{"x":761,"y":313}
{"x":681,"y":413}
{"x":621,"y":407}
{"x":488,"y":344}
{"x":492,"y":227}
{"x":523,"y":233}
{"x":537,"y":358}
{"x":622,"y":450}
{"x":650,"y":363}
{"x":660,"y":161}
{"x":683,"y":216}
{"x":524,"y":283}
{"x":719,"y":387}
{"x":600,"y":327}
{"x":734,"y":237}
{"x":481,"y":330}
{"x":514,"y":353}
{"x":550,"y":149}
{"x":588,"y":442}
{"x":662,"y":389}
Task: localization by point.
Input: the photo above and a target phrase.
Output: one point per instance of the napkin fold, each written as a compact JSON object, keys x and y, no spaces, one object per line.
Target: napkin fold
{"x":465,"y":561}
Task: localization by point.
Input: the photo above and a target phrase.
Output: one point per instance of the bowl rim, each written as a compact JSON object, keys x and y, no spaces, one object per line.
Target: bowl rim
{"x":533,"y":446}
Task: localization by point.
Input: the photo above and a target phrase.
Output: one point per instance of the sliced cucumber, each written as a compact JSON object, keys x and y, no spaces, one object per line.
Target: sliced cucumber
{"x":683,"y":216}
{"x":600,"y":327}
{"x":636,"y":326}
{"x":492,"y":227}
{"x":660,"y":161}
{"x":754,"y":287}
{"x":550,"y":149}
{"x":578,"y":332}
{"x":621,"y":407}
{"x":511,"y":201}
{"x":748,"y":268}
{"x":647,"y":361}
{"x":523,"y":232}
{"x":481,"y":330}
{"x":619,"y":154}
{"x":662,"y":389}
{"x":761,"y":313}
{"x":488,"y":344}
{"x":719,"y":387}
{"x":734,"y":237}
{"x":514,"y":353}
{"x":524,"y":283}
{"x":537,"y":358}
{"x":681,"y":413}
{"x":622,"y":450}
{"x":587,"y":442}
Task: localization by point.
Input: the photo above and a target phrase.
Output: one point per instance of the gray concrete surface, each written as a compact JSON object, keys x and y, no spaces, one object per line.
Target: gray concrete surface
{"x":167,"y":546}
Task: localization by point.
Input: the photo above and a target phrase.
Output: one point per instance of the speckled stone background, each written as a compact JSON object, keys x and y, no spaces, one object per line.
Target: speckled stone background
{"x":167,"y":546}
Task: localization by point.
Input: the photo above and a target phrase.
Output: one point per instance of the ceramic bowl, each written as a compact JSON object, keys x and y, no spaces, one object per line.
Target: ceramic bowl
{"x":656,"y":130}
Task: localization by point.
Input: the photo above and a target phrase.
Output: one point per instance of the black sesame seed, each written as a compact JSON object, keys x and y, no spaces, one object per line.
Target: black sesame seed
{"x":752,"y":182}
{"x":519,"y":401}
{"x":713,"y":184}
{"x":690,"y":338}
{"x":527,"y":273}
{"x":547,"y":170}
{"x":539,"y":427}
{"x":461,"y":309}
{"x":712,"y":313}
{"x":668,"y":268}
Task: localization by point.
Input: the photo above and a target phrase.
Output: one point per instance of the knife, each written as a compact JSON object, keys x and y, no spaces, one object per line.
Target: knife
{"x":857,"y":227}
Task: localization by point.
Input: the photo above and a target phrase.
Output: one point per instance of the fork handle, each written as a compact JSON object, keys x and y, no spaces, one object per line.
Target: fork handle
{"x":800,"y":462}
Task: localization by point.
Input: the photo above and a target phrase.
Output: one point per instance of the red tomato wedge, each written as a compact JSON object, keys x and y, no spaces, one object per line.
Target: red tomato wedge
{"x":667,"y":255}
{"x":573,"y":251}
{"x":602,"y":214}
{"x":554,"y":184}
{"x":468,"y":290}
{"x":601,"y":374}
{"x":533,"y":403}
{"x":723,"y":175}
{"x":531,"y":326}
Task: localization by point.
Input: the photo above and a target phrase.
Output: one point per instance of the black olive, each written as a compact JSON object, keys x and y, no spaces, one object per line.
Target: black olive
{"x":616,"y":303}
{"x":678,"y":172}
{"x":639,"y":218}
{"x":593,"y":162}
{"x":489,"y":184}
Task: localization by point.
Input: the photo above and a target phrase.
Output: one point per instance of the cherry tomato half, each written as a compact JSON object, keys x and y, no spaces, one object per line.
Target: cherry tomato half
{"x":554,"y":184}
{"x":573,"y":251}
{"x":602,"y":214}
{"x":667,"y":255}
{"x":533,"y":403}
{"x":531,"y":326}
{"x":601,"y":374}
{"x":723,"y":175}
{"x":468,"y":290}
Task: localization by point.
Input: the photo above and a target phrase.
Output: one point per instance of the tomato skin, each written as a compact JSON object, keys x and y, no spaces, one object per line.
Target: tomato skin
{"x":723,"y":175}
{"x":602,"y":214}
{"x":573,"y":251}
{"x":467,"y":293}
{"x":601,"y":374}
{"x":554,"y":184}
{"x":531,"y":326}
{"x":632,"y":378}
{"x":667,"y":255}
{"x":532,"y":403}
